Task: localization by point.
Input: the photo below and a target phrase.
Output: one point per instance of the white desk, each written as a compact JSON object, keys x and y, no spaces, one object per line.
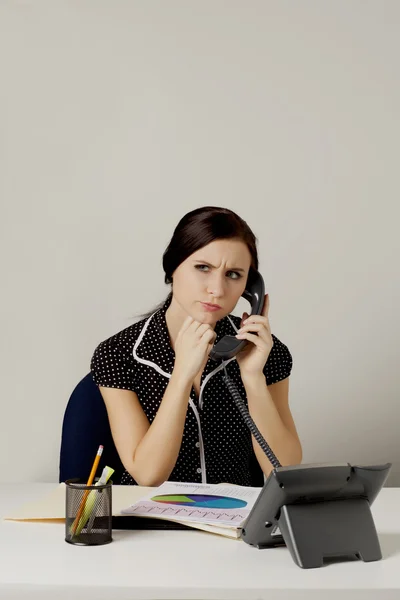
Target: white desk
{"x":36,"y":563}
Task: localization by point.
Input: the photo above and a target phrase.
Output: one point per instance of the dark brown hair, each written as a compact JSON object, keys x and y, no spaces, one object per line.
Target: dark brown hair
{"x":200,"y":227}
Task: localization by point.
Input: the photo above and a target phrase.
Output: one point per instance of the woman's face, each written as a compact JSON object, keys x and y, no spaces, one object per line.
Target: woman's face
{"x":215,"y":275}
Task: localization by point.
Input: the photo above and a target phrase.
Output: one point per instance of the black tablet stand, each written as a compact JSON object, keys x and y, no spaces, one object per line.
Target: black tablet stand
{"x":318,"y":511}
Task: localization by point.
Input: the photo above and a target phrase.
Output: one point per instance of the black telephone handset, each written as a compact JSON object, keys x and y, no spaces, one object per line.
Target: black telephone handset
{"x":229,"y":345}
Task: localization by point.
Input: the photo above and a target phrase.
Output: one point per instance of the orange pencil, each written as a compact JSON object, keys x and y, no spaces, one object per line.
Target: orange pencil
{"x":89,"y":482}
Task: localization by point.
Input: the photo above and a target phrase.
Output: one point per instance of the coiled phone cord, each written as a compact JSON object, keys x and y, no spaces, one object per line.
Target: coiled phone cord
{"x":248,"y":420}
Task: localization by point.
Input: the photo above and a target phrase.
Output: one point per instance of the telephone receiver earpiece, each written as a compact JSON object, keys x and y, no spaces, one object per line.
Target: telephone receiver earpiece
{"x":229,"y":346}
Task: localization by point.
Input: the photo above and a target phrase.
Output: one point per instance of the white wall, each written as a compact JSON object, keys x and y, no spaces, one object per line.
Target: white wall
{"x":119,"y":117}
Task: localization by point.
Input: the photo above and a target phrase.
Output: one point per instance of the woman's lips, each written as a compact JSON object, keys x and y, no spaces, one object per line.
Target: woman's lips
{"x":210,"y":307}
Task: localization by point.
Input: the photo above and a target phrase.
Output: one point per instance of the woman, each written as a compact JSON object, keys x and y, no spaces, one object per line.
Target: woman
{"x":171,"y":415}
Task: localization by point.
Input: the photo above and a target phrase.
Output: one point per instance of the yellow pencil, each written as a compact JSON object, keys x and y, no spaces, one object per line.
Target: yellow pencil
{"x":89,"y":482}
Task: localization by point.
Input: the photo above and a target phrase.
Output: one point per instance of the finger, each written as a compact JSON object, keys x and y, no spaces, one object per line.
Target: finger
{"x":255,"y":339}
{"x":260,"y":328}
{"x":208,"y":337}
{"x":203,"y":328}
{"x":256,"y":319}
{"x":195,"y":326}
{"x":252,"y":327}
{"x":266,"y":305}
{"x":244,"y":317}
{"x":186,"y":324}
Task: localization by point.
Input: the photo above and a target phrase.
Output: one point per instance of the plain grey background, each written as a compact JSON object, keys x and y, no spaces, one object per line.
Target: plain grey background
{"x":118,"y":117}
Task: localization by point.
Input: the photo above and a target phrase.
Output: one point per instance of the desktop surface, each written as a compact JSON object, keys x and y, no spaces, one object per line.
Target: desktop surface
{"x":36,"y":563}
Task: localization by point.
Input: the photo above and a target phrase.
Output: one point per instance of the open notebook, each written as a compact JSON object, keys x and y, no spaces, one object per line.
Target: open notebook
{"x":130,"y":500}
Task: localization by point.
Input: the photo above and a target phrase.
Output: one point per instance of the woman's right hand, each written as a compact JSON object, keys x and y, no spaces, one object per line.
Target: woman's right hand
{"x":192,"y":347}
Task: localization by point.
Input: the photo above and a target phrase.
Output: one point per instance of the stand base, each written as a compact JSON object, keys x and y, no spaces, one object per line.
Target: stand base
{"x":333,"y":528}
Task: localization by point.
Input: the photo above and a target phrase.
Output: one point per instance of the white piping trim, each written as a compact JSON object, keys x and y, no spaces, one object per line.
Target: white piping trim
{"x":233,"y":324}
{"x":221,"y":366}
{"x":202,"y":455}
{"x":142,"y":360}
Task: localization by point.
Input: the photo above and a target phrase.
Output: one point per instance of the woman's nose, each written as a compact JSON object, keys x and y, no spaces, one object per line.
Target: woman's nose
{"x":215,"y":286}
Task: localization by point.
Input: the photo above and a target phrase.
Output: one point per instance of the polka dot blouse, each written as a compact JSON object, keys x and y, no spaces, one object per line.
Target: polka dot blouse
{"x":216,"y":445}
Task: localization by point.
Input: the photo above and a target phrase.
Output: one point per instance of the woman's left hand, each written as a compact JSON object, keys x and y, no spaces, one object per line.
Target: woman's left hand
{"x":254,"y":355}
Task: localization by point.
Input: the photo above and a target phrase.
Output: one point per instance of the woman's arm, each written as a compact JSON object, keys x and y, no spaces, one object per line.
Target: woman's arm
{"x":148,"y":452}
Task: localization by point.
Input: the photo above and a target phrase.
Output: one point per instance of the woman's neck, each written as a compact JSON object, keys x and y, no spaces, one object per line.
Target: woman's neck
{"x":174,"y":317}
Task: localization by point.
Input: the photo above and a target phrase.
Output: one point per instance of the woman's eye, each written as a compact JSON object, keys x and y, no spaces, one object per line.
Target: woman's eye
{"x":230,"y":274}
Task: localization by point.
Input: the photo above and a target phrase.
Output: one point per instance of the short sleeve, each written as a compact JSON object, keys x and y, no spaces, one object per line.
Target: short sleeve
{"x":279,"y":363}
{"x":112,"y":365}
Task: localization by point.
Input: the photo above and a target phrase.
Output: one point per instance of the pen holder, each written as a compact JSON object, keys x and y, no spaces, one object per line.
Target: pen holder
{"x":88,"y":513}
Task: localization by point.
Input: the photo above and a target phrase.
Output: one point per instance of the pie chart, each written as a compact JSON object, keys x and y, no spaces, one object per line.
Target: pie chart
{"x":200,"y":501}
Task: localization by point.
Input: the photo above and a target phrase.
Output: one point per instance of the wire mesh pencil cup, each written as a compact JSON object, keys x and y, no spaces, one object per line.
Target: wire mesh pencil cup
{"x":88,"y":513}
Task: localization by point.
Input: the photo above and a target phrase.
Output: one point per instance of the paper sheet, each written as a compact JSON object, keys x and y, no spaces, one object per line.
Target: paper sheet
{"x":222,"y":505}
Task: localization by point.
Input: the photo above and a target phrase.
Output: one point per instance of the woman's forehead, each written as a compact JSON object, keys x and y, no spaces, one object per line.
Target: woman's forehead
{"x":226,"y":250}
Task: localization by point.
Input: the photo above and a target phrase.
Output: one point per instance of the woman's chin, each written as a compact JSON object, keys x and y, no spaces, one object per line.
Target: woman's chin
{"x":206,"y":318}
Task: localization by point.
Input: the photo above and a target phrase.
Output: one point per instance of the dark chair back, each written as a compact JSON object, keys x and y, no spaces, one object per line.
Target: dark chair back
{"x":85,"y":427}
